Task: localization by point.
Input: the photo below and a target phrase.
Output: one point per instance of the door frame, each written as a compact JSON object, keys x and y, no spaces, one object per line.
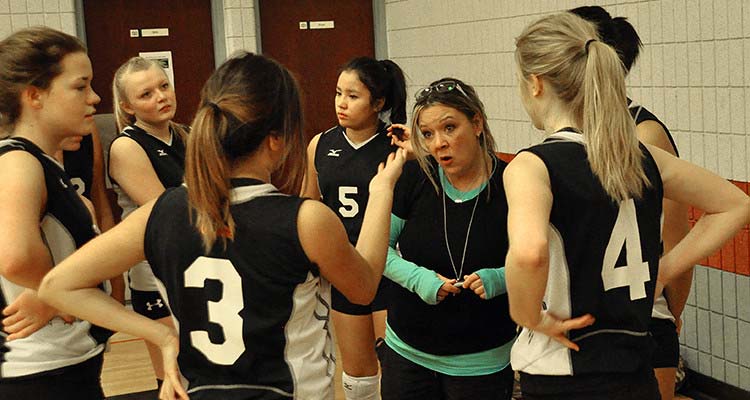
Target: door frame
{"x":380,"y":33}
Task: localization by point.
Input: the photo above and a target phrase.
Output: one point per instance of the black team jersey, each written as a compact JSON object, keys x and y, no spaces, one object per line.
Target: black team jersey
{"x":66,"y":225}
{"x":603,"y":261}
{"x":253,"y":317}
{"x":79,"y":165}
{"x":168,"y":160}
{"x":641,"y":114}
{"x":464,"y":323}
{"x":345,"y":171}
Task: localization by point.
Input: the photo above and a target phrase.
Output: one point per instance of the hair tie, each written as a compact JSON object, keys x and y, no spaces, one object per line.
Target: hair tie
{"x":215,"y":107}
{"x":588,"y":42}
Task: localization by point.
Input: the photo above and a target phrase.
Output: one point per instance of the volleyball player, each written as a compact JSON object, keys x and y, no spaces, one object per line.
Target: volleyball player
{"x":342,"y":160}
{"x":245,"y":268}
{"x":584,"y":221}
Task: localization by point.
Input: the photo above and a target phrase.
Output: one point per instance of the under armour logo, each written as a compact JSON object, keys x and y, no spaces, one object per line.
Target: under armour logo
{"x":157,"y":304}
{"x":161,"y":153}
{"x":333,"y":153}
{"x":348,"y":386}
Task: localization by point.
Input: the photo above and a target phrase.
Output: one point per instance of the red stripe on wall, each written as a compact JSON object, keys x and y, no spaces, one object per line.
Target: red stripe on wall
{"x":733,"y":257}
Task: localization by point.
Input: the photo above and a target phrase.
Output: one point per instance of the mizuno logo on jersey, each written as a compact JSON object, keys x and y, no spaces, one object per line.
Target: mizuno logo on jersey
{"x":157,"y":304}
{"x":161,"y":153}
{"x":334,"y":153}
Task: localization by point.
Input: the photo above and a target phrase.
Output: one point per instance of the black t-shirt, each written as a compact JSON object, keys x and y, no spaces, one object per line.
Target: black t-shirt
{"x":464,"y":323}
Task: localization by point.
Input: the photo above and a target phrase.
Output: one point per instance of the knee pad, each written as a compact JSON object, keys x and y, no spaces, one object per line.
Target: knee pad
{"x":361,"y":388}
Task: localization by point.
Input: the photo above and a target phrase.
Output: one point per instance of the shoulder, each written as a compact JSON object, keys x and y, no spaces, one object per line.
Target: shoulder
{"x":525,"y":166}
{"x":313,"y":213}
{"x":653,"y":133}
{"x":125,"y":144}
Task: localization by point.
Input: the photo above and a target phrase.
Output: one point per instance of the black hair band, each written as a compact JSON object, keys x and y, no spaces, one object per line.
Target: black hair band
{"x":588,"y":42}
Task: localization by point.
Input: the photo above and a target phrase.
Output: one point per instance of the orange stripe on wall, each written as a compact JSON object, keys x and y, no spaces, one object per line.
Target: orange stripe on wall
{"x":733,"y":257}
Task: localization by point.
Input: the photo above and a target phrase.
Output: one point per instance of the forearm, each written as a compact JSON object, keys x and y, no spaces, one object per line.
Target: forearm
{"x":118,"y":288}
{"x":678,"y":291}
{"x":526,"y":281}
{"x":95,"y":306}
{"x":708,"y":235}
{"x":412,"y":277}
{"x":373,"y":237}
{"x":493,"y":280}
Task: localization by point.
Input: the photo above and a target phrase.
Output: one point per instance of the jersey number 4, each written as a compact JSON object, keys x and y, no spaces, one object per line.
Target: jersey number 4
{"x":225,"y":312}
{"x":636,"y":273}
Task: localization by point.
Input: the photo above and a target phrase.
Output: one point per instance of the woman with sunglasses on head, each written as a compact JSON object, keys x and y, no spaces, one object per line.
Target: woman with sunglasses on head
{"x":342,"y":161}
{"x":46,"y":99}
{"x":584,"y":222}
{"x":620,"y":34}
{"x":245,"y":268}
{"x":448,"y":333}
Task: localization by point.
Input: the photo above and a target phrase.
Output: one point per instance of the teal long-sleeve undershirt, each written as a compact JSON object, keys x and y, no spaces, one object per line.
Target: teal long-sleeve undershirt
{"x":425,"y":282}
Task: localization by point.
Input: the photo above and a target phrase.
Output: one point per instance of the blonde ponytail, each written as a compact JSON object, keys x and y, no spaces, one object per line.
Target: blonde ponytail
{"x":588,"y":76}
{"x":608,"y":128}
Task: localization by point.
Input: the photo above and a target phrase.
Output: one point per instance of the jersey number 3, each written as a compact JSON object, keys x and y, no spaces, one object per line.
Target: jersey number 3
{"x":636,"y":273}
{"x":225,"y":312}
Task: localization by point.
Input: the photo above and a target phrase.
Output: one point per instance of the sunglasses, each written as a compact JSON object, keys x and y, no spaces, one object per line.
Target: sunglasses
{"x":440,"y":87}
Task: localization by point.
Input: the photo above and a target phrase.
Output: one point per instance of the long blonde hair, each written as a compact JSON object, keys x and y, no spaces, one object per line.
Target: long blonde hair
{"x":122,"y":118}
{"x":589,"y":77}
{"x":246,"y":99}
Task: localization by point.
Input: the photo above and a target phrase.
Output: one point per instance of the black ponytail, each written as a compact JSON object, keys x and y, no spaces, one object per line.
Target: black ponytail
{"x":385,"y":80}
{"x":616,"y":32}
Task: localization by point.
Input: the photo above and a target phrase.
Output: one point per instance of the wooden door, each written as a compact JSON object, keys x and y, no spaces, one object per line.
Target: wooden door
{"x":108,"y":26}
{"x":315,"y":55}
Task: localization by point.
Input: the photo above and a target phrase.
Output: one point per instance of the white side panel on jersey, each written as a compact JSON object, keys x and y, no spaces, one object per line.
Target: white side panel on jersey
{"x":309,"y":348}
{"x":533,"y":352}
{"x":57,"y":344}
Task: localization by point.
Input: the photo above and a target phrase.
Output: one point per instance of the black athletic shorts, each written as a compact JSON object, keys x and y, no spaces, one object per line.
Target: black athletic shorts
{"x":667,"y":352}
{"x":149,"y":304}
{"x":342,"y":305}
{"x":76,"y":382}
{"x":639,"y":385}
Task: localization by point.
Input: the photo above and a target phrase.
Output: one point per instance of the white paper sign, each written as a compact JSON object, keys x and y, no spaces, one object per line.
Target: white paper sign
{"x":164,"y":58}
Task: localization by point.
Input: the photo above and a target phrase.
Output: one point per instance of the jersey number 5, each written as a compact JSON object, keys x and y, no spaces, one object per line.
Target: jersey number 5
{"x":636,"y":273}
{"x":225,"y":312}
{"x":349,"y":207}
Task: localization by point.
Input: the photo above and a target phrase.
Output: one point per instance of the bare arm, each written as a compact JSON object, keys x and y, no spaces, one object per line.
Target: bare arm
{"x":25,"y":257}
{"x":70,"y":286}
{"x":354,"y":272}
{"x":310,"y":187}
{"x":103,"y":208}
{"x":676,"y":224}
{"x":527,"y":188}
{"x":726,"y":208}
{"x":131,"y":168}
{"x":98,"y":189}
